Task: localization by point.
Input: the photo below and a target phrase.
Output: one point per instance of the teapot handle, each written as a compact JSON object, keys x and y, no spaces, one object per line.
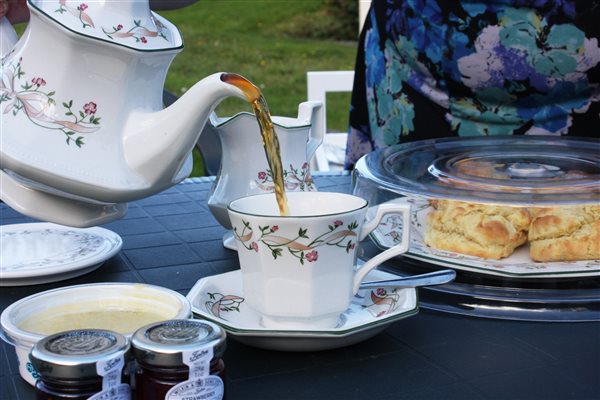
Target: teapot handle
{"x":313,"y":113}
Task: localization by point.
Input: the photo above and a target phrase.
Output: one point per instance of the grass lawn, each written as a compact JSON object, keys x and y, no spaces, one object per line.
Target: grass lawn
{"x":249,"y":37}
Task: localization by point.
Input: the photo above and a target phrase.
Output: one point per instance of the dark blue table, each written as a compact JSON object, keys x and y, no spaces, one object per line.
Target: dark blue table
{"x":172,"y":240}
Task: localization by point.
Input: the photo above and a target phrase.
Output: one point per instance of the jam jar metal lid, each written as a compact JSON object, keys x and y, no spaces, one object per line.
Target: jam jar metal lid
{"x":75,"y":354}
{"x":161,"y":344}
{"x":519,"y":170}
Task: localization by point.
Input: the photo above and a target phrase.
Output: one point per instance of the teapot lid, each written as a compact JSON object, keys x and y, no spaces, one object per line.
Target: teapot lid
{"x":126,"y":23}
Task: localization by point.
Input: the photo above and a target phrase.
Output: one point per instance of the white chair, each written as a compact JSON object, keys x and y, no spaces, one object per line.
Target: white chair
{"x":330,"y":155}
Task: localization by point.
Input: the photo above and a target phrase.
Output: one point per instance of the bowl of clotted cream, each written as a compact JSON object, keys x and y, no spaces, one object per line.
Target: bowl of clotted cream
{"x":120,"y":307}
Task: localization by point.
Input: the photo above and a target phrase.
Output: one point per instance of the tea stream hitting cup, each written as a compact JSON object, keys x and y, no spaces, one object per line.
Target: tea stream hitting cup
{"x":244,"y":170}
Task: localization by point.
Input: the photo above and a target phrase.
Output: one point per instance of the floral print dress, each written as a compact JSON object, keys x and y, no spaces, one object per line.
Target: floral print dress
{"x":439,"y":68}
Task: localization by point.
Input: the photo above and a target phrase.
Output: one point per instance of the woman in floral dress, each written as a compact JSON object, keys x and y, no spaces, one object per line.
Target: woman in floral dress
{"x":439,"y":68}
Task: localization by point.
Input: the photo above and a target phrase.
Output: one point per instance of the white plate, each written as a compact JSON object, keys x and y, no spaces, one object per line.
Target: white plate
{"x":220,"y":299}
{"x":517,"y":265}
{"x":42,"y":252}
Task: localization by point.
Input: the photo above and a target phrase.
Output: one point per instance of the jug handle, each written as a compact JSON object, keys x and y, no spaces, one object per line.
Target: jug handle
{"x":213,"y":118}
{"x":8,"y":37}
{"x":37,"y":204}
{"x":314,"y":113}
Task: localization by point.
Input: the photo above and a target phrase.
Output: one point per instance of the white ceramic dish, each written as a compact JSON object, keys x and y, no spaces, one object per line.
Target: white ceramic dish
{"x":42,"y":252}
{"x":518,"y":265}
{"x":220,"y":299}
{"x":98,"y":296}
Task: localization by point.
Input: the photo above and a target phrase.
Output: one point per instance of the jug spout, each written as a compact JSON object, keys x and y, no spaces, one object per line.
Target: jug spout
{"x":157,"y":143}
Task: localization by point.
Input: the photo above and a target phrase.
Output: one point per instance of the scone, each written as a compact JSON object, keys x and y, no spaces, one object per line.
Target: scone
{"x":486,"y":231}
{"x":566,"y":233}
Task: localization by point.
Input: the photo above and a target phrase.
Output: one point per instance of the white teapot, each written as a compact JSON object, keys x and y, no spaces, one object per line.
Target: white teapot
{"x":83,"y":125}
{"x":244,"y":168}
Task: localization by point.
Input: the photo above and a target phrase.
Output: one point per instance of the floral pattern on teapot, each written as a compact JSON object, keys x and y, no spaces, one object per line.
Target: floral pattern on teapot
{"x":137,"y":30}
{"x":19,"y":94}
{"x":78,"y":12}
{"x":303,"y":252}
{"x":294,"y":179}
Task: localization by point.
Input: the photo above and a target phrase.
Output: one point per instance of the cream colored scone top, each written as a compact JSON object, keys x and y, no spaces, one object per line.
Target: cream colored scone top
{"x":567,"y":233}
{"x":486,"y":231}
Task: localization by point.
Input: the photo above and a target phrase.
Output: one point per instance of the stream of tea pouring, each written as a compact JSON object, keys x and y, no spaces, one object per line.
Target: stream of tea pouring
{"x":267,"y":132}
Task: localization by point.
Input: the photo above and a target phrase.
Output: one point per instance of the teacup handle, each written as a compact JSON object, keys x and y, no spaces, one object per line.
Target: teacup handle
{"x":313,"y":113}
{"x":398,"y":249}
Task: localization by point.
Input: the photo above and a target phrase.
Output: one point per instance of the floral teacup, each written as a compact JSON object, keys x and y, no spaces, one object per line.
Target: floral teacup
{"x":299,"y":271}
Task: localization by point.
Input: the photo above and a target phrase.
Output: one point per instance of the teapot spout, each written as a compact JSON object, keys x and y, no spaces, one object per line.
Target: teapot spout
{"x":157,"y":143}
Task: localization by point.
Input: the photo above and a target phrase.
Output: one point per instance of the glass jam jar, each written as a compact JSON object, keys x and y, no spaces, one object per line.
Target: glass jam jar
{"x":179,"y":359}
{"x":82,"y":364}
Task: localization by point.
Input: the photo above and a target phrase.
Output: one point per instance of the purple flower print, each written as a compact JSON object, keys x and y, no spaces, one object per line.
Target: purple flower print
{"x":82,"y":7}
{"x":38,"y":81}
{"x":89,"y":108}
{"x":338,"y":223}
{"x":312,"y":256}
{"x":254,"y":246}
{"x":262,"y":175}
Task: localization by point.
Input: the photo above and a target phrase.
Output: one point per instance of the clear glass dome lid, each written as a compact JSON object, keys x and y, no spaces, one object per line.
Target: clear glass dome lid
{"x":518,"y":170}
